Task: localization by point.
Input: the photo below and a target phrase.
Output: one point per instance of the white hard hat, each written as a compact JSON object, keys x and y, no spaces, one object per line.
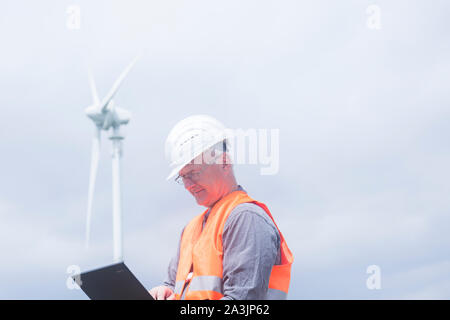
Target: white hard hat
{"x":191,"y":137}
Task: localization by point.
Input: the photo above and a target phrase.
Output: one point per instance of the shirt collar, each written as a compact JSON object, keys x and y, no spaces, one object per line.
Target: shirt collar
{"x":239,"y":188}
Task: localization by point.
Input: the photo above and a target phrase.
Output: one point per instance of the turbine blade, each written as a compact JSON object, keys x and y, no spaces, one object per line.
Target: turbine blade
{"x":117,"y":84}
{"x":93,"y":175}
{"x":93,"y":87}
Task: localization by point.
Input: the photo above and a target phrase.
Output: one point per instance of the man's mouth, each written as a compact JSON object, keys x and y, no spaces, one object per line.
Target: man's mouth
{"x":197,"y":191}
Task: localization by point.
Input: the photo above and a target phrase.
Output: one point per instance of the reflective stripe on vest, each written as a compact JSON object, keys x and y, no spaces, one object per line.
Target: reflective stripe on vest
{"x":212,"y":283}
{"x":274,"y":294}
{"x":202,"y":248}
{"x":178,"y":286}
{"x":206,"y":283}
{"x":199,"y":283}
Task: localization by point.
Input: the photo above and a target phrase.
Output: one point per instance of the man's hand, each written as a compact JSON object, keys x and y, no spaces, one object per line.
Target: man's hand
{"x":162,"y":293}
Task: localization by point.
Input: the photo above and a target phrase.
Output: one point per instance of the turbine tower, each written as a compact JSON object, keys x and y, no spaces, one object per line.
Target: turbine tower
{"x":105,"y":116}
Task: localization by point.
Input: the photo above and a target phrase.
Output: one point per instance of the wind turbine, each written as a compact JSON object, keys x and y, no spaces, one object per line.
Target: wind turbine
{"x":105,"y":116}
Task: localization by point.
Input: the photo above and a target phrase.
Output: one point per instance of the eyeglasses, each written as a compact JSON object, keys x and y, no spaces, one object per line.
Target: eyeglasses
{"x":193,"y":176}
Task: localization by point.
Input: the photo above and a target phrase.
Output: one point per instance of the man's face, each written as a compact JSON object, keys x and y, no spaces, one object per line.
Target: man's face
{"x":203,"y":181}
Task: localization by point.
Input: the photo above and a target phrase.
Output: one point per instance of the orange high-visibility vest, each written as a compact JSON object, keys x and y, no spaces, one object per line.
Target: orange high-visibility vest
{"x":202,"y":249}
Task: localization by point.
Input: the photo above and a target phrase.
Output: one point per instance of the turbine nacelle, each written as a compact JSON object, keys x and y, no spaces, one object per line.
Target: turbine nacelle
{"x":112,"y":117}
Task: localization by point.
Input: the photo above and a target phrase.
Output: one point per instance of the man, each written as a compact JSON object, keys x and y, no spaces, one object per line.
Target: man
{"x":233,"y":250}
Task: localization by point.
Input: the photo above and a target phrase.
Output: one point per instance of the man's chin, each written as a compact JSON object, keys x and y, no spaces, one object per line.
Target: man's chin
{"x":201,"y":200}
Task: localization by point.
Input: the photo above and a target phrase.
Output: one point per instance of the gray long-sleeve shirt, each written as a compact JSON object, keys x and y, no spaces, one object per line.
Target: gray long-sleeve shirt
{"x":251,"y":247}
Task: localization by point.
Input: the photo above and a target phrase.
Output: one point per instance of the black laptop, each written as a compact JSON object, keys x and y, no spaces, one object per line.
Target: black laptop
{"x":114,"y":282}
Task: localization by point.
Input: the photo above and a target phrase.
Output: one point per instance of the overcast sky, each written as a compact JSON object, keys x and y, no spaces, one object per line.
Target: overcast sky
{"x":362,"y":113}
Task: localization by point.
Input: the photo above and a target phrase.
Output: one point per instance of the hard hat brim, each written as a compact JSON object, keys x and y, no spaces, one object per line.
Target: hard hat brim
{"x":175,"y":171}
